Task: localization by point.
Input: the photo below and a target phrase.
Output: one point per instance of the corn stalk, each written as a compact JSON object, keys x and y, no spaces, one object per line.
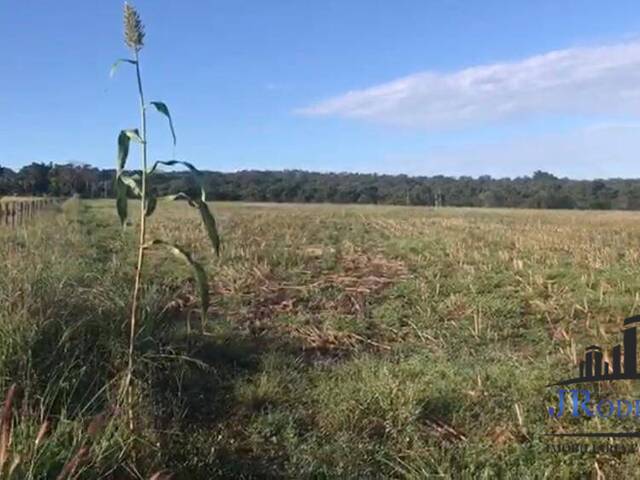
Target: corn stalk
{"x":138,"y":186}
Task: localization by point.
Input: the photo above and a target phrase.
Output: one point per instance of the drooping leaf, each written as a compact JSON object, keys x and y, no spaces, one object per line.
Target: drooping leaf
{"x":200,"y":274}
{"x":181,"y":196}
{"x":208,"y":219}
{"x":177,"y":196}
{"x":124,"y":139}
{"x":197,"y":174}
{"x":123,"y":150}
{"x":121,"y":200}
{"x":134,"y":135}
{"x":117,"y":63}
{"x":152,"y":203}
{"x":210,"y":225}
{"x":199,"y":202}
{"x":131,"y":183}
{"x":162,"y":108}
{"x":173,"y":163}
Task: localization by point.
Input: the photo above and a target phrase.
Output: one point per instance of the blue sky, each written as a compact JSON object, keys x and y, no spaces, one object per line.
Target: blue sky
{"x":419,"y":87}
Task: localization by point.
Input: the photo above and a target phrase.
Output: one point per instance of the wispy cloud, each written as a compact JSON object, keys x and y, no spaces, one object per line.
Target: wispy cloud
{"x":602,"y":80}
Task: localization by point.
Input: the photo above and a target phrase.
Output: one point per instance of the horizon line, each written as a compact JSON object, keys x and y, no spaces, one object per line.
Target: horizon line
{"x":16,"y":170}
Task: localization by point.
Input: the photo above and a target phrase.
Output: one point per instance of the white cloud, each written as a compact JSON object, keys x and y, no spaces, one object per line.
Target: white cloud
{"x":599,"y":81}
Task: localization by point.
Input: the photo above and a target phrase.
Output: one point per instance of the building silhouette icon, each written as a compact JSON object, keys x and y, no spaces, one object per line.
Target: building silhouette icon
{"x":624,"y":359}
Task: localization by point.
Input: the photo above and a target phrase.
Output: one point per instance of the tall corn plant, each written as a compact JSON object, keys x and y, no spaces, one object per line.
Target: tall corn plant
{"x":138,"y":185}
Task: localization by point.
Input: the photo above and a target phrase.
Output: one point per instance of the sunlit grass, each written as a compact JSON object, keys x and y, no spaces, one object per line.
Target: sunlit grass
{"x":345,"y":341}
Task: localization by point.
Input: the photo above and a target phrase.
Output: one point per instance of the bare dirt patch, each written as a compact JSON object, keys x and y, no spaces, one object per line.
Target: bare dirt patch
{"x":347,"y":289}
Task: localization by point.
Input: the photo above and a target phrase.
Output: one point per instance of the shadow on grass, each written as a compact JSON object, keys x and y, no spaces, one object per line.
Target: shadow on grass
{"x":193,"y":397}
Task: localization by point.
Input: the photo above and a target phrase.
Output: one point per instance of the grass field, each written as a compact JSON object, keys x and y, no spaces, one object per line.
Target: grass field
{"x":343,"y":341}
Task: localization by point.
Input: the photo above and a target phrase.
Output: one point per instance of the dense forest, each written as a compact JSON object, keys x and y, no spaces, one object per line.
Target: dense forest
{"x":541,"y":190}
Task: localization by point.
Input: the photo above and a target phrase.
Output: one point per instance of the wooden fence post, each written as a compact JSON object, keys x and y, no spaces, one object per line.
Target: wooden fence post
{"x":19,"y":212}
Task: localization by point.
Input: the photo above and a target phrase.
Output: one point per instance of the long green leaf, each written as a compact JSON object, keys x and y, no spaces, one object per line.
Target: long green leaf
{"x":200,"y":274}
{"x":121,"y":200}
{"x":210,"y":225}
{"x":122,"y":181}
{"x":124,"y":139}
{"x":173,"y":163}
{"x":117,"y":63}
{"x":197,"y":174}
{"x":123,"y":150}
{"x":152,"y":203}
{"x":200,"y":203}
{"x":182,"y":196}
{"x":134,"y":134}
{"x":163,"y":109}
{"x":131,"y":183}
{"x":208,"y":219}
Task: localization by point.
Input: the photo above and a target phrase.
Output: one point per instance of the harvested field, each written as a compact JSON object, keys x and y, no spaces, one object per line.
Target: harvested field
{"x":342,"y":341}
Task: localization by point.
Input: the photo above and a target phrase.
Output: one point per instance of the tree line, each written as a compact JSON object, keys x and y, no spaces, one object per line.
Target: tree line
{"x":540,"y":190}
